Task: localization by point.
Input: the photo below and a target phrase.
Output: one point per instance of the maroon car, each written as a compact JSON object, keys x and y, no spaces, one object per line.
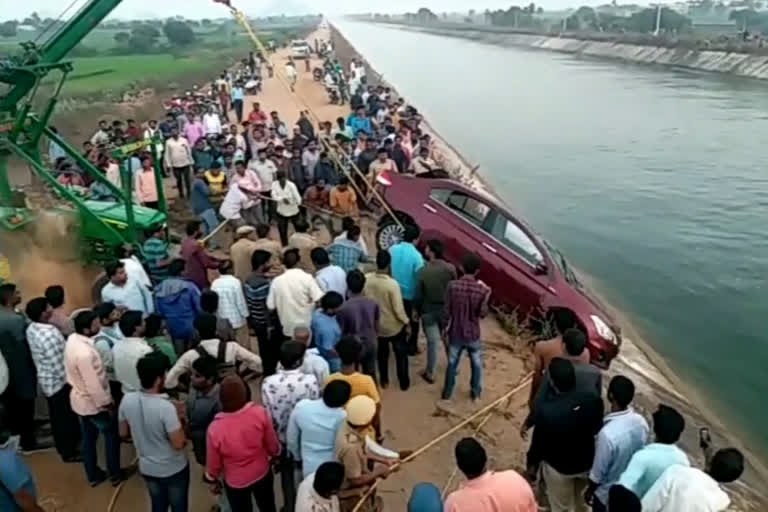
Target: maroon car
{"x":527,"y":274}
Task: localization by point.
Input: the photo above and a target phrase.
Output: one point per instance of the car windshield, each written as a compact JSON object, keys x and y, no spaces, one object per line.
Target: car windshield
{"x":559,"y":259}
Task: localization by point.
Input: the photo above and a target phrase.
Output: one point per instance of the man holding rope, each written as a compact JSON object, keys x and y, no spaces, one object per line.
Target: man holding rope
{"x":353,"y":451}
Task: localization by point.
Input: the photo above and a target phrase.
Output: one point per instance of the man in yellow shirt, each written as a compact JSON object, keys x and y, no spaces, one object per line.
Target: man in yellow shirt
{"x":343,"y":200}
{"x":349,"y":350}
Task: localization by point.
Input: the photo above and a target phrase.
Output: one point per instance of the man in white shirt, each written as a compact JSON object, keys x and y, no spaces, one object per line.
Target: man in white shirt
{"x":211,"y":123}
{"x":290,"y":73}
{"x":253,"y":186}
{"x":293,"y":294}
{"x":314,"y":363}
{"x":233,"y":352}
{"x":687,"y":489}
{"x":264,"y":168}
{"x":280,"y":393}
{"x":233,"y":204}
{"x":319,"y":491}
{"x":232,"y":306}
{"x":178,"y":157}
{"x":128,"y":351}
{"x":124,"y":292}
{"x":287,"y":198}
{"x":309,"y":159}
{"x":133,"y":267}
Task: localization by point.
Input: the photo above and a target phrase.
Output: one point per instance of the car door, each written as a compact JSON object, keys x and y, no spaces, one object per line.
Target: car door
{"x":457,"y":219}
{"x":525,"y":273}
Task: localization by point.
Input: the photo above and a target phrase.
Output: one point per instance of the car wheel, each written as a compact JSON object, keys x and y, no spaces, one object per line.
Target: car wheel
{"x":388,"y":234}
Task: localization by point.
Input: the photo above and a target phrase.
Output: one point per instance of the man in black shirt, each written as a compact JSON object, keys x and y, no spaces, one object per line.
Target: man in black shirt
{"x":564,"y":433}
{"x":367,"y":156}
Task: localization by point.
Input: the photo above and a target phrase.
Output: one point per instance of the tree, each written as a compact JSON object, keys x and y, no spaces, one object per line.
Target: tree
{"x":143,"y":38}
{"x":745,"y":18}
{"x":539,"y":10}
{"x":178,"y":33}
{"x":206,"y":22}
{"x":8,"y":28}
{"x":424,"y":15}
{"x":122,"y":38}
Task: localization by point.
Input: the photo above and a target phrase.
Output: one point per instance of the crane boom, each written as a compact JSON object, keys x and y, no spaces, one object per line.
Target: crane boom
{"x":24,"y":72}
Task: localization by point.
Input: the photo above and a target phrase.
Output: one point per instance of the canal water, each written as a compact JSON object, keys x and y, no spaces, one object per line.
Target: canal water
{"x":653,"y":181}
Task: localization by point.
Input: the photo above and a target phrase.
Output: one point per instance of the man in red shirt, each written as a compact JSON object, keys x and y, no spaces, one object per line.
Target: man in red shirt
{"x":257,"y":115}
{"x":197,"y":258}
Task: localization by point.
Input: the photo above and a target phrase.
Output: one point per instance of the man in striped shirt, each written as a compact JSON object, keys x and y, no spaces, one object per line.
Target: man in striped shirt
{"x":256,"y":289}
{"x":157,"y":256}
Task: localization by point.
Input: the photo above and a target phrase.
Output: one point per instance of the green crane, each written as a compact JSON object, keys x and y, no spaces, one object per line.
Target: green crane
{"x":103,"y":225}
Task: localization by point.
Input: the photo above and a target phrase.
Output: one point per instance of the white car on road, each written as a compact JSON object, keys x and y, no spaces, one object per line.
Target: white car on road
{"x":300,"y":49}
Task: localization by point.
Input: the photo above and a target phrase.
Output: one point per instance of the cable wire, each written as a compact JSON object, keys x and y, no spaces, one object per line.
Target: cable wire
{"x":54,"y":22}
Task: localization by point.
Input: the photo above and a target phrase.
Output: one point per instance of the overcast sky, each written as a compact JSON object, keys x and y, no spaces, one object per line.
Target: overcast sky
{"x":206,"y":8}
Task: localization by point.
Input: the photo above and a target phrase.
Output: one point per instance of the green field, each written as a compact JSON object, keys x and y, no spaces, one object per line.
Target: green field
{"x":106,"y":76}
{"x":103,"y":74}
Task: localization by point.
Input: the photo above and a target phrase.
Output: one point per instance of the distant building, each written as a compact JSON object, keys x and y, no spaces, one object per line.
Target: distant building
{"x":620,"y":11}
{"x":26,"y":28}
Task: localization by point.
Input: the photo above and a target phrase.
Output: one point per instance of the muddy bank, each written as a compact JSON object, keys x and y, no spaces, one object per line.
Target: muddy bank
{"x":656,"y":382}
{"x":732,"y":63}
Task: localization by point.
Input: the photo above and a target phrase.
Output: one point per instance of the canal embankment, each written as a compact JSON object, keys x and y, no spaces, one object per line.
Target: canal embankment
{"x":655,"y":380}
{"x":749,"y":65}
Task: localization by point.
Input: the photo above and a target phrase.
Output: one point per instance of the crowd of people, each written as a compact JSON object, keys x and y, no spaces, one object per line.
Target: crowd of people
{"x":169,"y":358}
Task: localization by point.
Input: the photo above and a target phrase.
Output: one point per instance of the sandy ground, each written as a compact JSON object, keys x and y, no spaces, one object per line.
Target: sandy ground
{"x":410,"y":418}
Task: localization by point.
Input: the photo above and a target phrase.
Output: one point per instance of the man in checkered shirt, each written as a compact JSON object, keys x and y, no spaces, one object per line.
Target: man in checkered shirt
{"x":347,"y":253}
{"x":46,"y":343}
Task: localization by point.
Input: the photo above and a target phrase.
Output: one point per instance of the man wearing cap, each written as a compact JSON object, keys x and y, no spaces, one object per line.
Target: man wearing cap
{"x":353,"y":452}
{"x":242,"y":250}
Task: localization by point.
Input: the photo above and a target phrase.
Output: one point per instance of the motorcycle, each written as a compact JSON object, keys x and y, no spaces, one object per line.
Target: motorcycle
{"x":333,"y":95}
{"x":253,"y":87}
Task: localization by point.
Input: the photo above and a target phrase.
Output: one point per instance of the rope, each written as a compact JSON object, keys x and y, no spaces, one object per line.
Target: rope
{"x":119,"y":489}
{"x":474,"y":435}
{"x":488,"y":409}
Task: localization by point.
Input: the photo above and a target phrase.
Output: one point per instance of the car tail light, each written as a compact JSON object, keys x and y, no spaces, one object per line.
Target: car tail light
{"x":383,"y":179}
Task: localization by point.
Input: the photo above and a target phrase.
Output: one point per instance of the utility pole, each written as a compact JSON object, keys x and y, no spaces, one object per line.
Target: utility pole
{"x":658,"y":20}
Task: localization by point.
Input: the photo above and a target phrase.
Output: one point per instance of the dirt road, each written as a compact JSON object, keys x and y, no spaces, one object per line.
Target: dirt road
{"x":410,"y":419}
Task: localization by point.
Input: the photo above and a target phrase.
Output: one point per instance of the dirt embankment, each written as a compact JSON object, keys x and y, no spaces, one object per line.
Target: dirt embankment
{"x":655,"y":381}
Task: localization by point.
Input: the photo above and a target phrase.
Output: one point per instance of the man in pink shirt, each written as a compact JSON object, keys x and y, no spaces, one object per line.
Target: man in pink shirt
{"x":487,"y":491}
{"x":91,"y":399}
{"x":241,"y":444}
{"x":194,"y":131}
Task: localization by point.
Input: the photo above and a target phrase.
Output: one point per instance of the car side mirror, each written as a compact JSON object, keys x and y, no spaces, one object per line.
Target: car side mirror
{"x":541,"y":269}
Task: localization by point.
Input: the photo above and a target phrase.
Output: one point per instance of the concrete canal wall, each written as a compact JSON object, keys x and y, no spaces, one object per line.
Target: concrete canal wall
{"x":740,"y":64}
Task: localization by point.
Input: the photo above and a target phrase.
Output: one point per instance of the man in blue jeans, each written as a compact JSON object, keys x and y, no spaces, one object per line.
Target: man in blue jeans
{"x":152,"y":421}
{"x":466,"y":303}
{"x":18,"y":492}
{"x":430,"y":302}
{"x":91,"y":400}
{"x":202,"y":206}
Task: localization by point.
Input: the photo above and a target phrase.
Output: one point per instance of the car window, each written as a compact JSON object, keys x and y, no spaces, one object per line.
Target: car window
{"x":511,"y":235}
{"x":468,"y":207}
